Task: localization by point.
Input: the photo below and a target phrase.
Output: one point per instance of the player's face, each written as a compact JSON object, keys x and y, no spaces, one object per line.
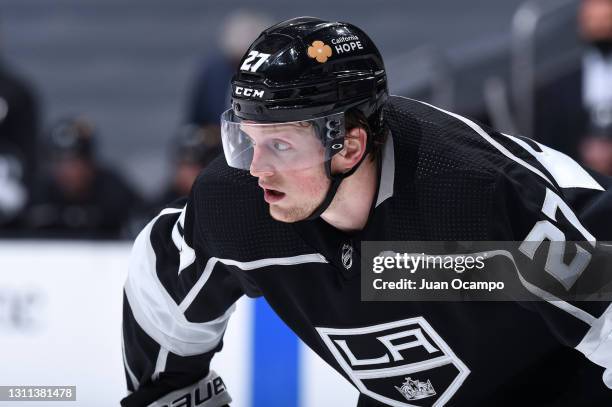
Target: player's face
{"x":287,"y":160}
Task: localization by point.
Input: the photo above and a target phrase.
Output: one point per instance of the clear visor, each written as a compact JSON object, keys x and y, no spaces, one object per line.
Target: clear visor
{"x":287,"y":146}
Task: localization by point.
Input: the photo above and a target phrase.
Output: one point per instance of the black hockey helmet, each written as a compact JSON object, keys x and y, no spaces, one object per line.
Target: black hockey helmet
{"x":304,"y":70}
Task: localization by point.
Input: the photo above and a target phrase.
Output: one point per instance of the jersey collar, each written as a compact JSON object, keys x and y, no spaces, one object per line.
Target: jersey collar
{"x":387,"y":174}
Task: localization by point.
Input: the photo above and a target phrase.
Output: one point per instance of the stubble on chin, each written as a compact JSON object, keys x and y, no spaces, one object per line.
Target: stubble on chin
{"x":290,"y":215}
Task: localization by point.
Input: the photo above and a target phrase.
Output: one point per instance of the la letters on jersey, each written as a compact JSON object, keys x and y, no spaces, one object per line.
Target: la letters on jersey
{"x":397,"y":362}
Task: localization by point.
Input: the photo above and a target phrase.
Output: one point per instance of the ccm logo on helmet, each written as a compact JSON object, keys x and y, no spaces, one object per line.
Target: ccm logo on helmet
{"x":248,"y":92}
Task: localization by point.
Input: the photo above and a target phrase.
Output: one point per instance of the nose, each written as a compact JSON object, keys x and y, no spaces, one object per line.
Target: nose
{"x":260,"y":165}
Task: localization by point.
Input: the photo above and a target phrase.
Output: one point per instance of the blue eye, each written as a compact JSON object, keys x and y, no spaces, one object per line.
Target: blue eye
{"x":280,"y":146}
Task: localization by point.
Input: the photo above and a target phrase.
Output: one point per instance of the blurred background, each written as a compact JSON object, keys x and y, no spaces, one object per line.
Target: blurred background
{"x":109,"y":109}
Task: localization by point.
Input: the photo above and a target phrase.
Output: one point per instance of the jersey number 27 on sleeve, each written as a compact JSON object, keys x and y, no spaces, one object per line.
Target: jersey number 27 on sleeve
{"x":566,"y":274}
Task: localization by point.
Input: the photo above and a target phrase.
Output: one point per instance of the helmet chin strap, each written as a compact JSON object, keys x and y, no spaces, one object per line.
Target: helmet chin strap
{"x":333,"y":187}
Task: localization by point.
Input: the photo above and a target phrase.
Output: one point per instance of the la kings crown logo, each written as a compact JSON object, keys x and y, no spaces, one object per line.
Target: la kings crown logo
{"x":415,"y":390}
{"x":402,"y":363}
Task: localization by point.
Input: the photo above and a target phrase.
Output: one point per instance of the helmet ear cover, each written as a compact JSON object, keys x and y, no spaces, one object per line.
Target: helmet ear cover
{"x":338,"y":144}
{"x":332,"y":135}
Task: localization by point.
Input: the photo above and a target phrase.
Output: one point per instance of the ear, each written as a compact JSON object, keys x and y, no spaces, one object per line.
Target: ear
{"x":355,"y":142}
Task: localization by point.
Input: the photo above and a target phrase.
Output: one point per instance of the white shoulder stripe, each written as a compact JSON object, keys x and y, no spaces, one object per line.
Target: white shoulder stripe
{"x":566,"y":172}
{"x":276,"y":261}
{"x":492,"y":141}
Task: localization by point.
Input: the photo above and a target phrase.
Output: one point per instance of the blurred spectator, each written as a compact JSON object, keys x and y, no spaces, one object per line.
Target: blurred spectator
{"x":77,"y":197}
{"x":596,"y":27}
{"x":193,"y":149}
{"x":18,"y":132}
{"x":210,"y":94}
{"x":574,"y":114}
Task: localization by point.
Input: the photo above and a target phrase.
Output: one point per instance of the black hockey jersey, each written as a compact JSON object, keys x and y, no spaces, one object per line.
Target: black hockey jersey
{"x":443,"y":178}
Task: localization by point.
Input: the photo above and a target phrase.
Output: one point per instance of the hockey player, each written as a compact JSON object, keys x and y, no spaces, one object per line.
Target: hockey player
{"x":318,"y":158}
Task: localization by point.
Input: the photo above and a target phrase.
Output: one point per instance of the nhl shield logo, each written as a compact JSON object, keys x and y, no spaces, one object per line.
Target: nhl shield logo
{"x":402,"y":364}
{"x":347,"y":256}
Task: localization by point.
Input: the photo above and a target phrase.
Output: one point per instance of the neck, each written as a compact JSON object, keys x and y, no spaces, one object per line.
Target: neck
{"x":351,"y":206}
